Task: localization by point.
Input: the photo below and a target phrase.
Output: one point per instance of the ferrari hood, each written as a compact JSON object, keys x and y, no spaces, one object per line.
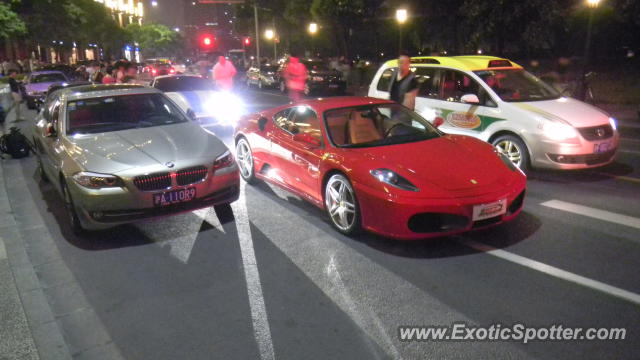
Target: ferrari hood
{"x":574,"y":112}
{"x":451,"y":163}
{"x":117,"y":151}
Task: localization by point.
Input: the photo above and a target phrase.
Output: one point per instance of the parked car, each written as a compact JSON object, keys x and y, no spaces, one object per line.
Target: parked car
{"x":159,"y":69}
{"x":263,"y":76}
{"x":121,"y":153}
{"x":496,"y":100}
{"x":321,"y":80}
{"x":37,"y":84}
{"x":375,"y":164}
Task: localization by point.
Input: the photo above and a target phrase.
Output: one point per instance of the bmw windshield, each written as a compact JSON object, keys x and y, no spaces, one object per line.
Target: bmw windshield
{"x":377,"y":125}
{"x":517,"y":85}
{"x":114,"y":113}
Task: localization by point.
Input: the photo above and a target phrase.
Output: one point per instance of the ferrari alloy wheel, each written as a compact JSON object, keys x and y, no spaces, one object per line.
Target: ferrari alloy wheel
{"x":514,"y":149}
{"x":341,"y":204}
{"x":245,"y":160}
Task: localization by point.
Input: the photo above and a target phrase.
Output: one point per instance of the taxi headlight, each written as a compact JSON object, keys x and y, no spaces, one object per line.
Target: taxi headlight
{"x":556,"y":130}
{"x":92,"y":180}
{"x":613,"y":123}
{"x":389,"y":177}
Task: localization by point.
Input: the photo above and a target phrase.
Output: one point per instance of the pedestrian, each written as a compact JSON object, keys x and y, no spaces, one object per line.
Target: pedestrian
{"x":108,"y":78}
{"x":404,"y":87}
{"x":16,"y":95}
{"x":223,"y":73}
{"x":98,"y":74}
{"x":295,"y":74}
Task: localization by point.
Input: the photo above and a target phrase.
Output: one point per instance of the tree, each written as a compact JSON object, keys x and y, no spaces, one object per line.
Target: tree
{"x":155,"y":39}
{"x":341,"y":16}
{"x":10,"y":23}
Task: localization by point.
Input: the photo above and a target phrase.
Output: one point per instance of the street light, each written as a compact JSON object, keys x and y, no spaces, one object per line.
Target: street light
{"x":313,"y":28}
{"x":592,"y":4}
{"x":154,"y":3}
{"x":269,"y":34}
{"x":401,"y":17}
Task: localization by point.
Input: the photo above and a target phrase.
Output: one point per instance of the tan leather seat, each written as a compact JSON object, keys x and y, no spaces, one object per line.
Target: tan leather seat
{"x":362,"y":130}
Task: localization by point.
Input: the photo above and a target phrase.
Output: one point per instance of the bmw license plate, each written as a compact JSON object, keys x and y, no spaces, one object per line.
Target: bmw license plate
{"x":485,"y":211}
{"x":174,"y":196}
{"x":602,"y":147}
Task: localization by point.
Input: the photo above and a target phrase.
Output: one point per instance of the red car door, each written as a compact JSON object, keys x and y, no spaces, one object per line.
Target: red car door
{"x":299,"y":151}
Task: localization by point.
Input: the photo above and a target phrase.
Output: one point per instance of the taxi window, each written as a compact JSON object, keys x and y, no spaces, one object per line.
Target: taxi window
{"x":455,"y":84}
{"x":385,"y":80}
{"x":428,"y":80}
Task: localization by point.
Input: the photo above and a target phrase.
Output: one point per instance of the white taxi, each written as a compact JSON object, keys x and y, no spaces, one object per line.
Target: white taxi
{"x":496,"y":100}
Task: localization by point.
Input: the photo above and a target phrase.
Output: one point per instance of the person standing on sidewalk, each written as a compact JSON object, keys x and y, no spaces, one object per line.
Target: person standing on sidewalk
{"x":295,"y":74}
{"x":16,"y":95}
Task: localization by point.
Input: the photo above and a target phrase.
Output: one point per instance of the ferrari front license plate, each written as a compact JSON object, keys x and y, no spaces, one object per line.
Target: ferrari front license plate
{"x":175,"y":196}
{"x":485,"y":211}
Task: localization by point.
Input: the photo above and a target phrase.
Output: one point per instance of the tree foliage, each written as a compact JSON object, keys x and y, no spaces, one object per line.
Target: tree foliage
{"x":10,"y":23}
{"x":155,"y":39}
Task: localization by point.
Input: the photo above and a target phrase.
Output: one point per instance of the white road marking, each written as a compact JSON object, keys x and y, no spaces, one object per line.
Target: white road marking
{"x":554,"y":271}
{"x":594,"y":213}
{"x":3,"y":250}
{"x":261,"y":328}
{"x":630,"y":152}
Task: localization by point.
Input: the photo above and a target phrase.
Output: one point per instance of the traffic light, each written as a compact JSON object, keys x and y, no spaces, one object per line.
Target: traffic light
{"x":247,"y":41}
{"x":207,"y":42}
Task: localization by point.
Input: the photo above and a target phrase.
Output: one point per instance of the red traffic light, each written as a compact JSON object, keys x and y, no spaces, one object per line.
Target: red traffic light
{"x":247,"y":41}
{"x":206,"y":41}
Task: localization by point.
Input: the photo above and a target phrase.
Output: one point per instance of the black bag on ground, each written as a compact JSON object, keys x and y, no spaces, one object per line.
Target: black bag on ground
{"x":3,"y":115}
{"x":15,"y":144}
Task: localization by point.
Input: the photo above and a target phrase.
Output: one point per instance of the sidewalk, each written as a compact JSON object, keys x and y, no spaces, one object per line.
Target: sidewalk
{"x":16,"y":341}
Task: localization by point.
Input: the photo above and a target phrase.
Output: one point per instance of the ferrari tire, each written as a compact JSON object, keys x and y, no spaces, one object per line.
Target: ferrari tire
{"x":341,"y":205}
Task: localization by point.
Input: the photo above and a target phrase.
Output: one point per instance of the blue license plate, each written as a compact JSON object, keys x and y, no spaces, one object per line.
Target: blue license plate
{"x":602,"y":147}
{"x":173,"y":197}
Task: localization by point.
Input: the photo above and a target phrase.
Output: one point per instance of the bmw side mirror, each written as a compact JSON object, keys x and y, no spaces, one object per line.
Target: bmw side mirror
{"x":470,"y":99}
{"x":262,"y":123}
{"x":192,"y":115}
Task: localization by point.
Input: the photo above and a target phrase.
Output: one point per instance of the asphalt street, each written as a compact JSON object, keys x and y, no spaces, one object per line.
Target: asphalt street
{"x":278,"y":282}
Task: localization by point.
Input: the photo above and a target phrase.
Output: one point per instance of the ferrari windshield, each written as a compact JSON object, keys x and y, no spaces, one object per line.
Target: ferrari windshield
{"x":517,"y":85}
{"x":114,"y":113}
{"x":377,"y":125}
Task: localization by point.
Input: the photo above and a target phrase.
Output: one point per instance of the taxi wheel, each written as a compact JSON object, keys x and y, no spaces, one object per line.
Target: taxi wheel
{"x":515,"y":149}
{"x":244,"y":158}
{"x":341,"y":205}
{"x":74,"y":221}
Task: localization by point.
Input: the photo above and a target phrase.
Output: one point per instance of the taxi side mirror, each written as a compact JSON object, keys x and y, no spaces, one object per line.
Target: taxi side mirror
{"x":470,"y":99}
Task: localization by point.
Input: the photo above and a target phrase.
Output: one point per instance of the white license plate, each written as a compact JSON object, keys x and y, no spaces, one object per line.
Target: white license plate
{"x":485,"y":211}
{"x":602,"y":147}
{"x":174,"y":196}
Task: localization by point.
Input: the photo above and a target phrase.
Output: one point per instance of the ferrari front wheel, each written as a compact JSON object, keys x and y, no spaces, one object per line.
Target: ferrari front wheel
{"x":341,"y":205}
{"x":244,"y":157}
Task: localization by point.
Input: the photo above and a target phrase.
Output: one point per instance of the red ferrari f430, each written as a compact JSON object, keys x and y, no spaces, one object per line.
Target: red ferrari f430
{"x":373,"y":164}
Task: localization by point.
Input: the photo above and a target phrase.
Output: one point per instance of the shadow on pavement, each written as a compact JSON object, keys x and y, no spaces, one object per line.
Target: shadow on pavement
{"x":581,"y":176}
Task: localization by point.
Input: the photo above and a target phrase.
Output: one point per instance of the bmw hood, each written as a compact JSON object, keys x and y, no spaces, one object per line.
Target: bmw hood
{"x":574,"y":112}
{"x":450,"y":163}
{"x":117,"y":151}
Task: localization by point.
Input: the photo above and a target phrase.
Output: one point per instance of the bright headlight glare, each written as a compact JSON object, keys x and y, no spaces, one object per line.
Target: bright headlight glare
{"x":558,"y":131}
{"x":97,"y":181}
{"x":389,"y":177}
{"x":613,"y":123}
{"x":225,"y":107}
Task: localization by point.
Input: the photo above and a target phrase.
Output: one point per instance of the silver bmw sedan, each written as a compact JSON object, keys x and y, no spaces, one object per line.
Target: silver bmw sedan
{"x":123,"y":153}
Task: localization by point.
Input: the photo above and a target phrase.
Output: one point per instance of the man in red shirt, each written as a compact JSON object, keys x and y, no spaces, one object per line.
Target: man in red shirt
{"x":295,"y":75}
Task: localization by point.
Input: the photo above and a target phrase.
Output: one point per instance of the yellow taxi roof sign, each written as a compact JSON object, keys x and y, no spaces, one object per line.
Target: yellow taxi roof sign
{"x":465,"y":62}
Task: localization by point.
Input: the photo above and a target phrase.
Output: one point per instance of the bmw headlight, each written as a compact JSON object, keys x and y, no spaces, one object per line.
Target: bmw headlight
{"x":389,"y":177}
{"x":556,"y":130}
{"x":92,"y":180}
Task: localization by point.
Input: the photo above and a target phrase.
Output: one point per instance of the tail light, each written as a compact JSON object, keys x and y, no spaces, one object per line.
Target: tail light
{"x":172,"y":71}
{"x":154,"y":71}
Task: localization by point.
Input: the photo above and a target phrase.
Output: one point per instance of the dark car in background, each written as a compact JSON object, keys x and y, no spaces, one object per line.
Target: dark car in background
{"x":37,"y":84}
{"x":321,"y":80}
{"x":159,"y":69}
{"x":263,"y":76}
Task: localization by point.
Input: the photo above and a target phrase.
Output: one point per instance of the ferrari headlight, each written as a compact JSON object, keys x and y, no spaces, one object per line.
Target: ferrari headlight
{"x":389,"y":177}
{"x":506,"y":161}
{"x":97,"y":181}
{"x":560,"y":131}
